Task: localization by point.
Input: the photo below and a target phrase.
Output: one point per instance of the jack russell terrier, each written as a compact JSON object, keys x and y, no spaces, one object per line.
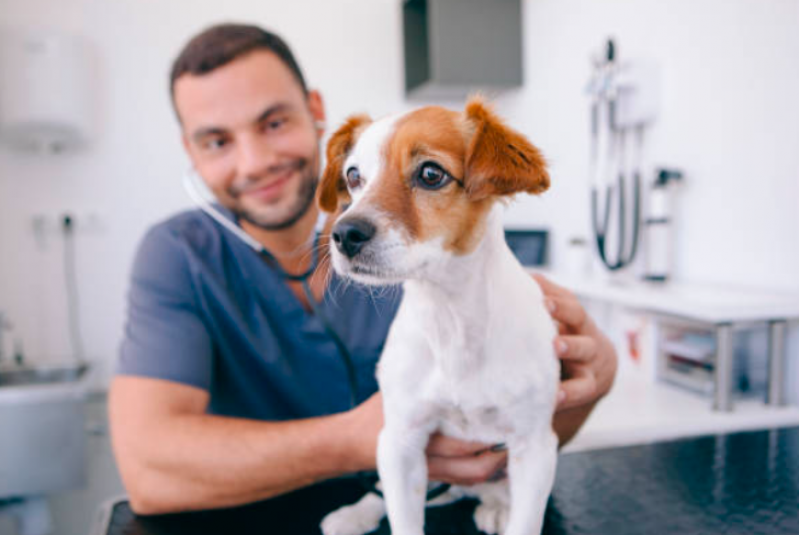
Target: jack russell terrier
{"x":470,"y":352}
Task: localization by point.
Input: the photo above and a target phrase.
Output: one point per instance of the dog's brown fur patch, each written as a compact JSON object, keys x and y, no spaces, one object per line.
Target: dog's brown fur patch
{"x":332,"y":187}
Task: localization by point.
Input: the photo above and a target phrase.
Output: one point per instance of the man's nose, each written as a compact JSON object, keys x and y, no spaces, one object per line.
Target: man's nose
{"x":255,"y":157}
{"x":350,"y":235}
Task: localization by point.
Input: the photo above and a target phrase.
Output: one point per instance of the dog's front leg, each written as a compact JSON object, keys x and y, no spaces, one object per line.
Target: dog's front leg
{"x":402,"y":466}
{"x":531,"y":470}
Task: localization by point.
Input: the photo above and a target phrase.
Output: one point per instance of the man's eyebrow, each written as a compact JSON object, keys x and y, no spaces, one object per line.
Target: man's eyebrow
{"x":263,"y":116}
{"x":210,"y":131}
{"x":271,"y":110}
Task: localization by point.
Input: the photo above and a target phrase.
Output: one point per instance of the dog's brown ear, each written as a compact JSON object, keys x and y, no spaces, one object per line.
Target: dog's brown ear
{"x":499,"y":160}
{"x":333,"y":188}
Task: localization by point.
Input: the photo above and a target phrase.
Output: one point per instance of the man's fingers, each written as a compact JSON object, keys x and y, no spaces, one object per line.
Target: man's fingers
{"x":575,"y":348}
{"x":549,"y":287}
{"x":568,"y":311}
{"x":578,"y":390}
{"x":467,"y":470}
{"x":443,"y":446}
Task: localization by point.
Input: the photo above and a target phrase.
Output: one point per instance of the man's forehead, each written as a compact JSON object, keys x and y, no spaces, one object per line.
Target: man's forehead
{"x":237,"y":91}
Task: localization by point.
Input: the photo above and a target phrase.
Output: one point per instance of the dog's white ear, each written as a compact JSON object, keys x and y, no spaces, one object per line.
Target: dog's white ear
{"x":333,"y":188}
{"x":499,"y":160}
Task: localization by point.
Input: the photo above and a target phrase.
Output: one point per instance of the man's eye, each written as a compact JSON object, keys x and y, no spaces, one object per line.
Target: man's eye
{"x":214,"y":143}
{"x":431,"y":176}
{"x":275,"y":124}
{"x":353,"y":178}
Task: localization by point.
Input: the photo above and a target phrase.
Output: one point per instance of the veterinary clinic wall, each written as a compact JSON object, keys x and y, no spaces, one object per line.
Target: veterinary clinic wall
{"x":729,"y":120}
{"x":130,"y":175}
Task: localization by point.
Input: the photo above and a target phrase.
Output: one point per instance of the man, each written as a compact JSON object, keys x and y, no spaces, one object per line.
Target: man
{"x":230,"y":389}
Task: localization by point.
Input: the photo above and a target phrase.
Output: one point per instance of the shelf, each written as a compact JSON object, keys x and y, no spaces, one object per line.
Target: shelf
{"x":701,"y":302}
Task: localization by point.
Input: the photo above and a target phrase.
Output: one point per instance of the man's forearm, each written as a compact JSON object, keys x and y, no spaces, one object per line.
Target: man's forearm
{"x":200,"y":461}
{"x":568,"y":422}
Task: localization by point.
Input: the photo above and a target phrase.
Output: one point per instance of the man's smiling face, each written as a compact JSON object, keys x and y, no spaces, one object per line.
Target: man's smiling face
{"x":250,"y":131}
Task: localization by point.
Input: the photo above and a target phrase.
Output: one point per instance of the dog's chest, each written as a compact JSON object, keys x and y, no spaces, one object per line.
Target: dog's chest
{"x":484,"y":424}
{"x":492,"y":404}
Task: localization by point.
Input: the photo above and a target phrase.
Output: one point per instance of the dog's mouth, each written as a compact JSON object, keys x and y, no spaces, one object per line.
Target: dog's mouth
{"x":371,"y":274}
{"x":366,"y":271}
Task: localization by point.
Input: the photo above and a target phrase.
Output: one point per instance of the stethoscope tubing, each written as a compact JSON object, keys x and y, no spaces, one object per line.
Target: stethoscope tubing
{"x":367,"y":480}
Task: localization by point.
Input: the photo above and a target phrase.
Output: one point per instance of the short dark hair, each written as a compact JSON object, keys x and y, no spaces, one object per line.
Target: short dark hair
{"x":222,"y":43}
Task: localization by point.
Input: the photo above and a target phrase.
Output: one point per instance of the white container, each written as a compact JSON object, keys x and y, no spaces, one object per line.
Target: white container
{"x":657,"y":232}
{"x":45,"y":92}
{"x":578,"y":257}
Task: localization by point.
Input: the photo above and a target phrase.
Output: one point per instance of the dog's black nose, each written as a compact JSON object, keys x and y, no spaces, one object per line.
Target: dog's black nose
{"x":350,"y":235}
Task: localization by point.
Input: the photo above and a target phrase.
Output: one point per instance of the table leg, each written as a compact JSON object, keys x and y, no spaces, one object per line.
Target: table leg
{"x":776,"y":366}
{"x":722,"y":400}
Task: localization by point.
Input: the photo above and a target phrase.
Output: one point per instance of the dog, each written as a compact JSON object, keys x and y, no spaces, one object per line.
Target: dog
{"x":470,"y":353}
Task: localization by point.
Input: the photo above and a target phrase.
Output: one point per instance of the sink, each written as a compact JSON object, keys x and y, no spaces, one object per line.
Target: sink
{"x":27,"y":375}
{"x":42,"y":428}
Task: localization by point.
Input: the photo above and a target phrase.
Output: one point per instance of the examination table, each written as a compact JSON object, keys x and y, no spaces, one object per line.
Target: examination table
{"x":744,"y":483}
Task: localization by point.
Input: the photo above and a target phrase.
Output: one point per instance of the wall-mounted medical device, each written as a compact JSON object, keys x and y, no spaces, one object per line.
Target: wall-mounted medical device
{"x":455,"y":47}
{"x":624,"y":103}
{"x":45,"y":91}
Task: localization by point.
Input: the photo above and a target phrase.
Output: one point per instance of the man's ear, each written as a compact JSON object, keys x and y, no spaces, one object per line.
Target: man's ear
{"x":333,"y":188}
{"x":317,"y":107}
{"x":499,"y":160}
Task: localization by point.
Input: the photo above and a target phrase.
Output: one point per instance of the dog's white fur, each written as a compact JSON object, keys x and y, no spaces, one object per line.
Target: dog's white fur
{"x":469,"y":354}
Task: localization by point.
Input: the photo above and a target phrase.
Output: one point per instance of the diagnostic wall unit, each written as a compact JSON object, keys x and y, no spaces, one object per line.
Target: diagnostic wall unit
{"x":455,"y":47}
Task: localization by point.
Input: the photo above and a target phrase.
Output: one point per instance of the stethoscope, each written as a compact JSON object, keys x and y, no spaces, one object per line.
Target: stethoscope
{"x":604,"y":106}
{"x":191,"y":183}
{"x":192,"y":187}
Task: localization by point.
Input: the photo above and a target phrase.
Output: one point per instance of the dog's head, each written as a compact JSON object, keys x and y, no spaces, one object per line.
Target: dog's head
{"x":418,"y":187}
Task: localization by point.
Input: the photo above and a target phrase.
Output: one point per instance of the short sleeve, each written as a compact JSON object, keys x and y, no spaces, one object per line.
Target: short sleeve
{"x":165,"y":336}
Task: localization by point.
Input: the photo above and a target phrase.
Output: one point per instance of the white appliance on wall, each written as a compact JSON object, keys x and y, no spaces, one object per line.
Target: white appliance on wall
{"x":45,"y":91}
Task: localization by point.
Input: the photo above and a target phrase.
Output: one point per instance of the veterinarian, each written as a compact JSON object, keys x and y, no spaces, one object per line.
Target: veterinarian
{"x":229,"y":389}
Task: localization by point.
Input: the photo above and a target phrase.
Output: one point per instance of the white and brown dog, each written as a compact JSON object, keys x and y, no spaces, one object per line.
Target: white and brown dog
{"x":470,"y":352}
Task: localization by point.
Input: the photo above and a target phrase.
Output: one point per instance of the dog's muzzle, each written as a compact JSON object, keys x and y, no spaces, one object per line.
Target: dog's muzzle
{"x":351,"y":235}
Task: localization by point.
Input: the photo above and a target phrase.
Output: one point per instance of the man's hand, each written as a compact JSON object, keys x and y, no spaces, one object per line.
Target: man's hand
{"x":588,"y":357}
{"x":448,"y":460}
{"x":465,"y":463}
{"x":589,"y":367}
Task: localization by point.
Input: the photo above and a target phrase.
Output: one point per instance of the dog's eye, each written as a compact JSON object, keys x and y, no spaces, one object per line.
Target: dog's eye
{"x":431,"y":176}
{"x":353,"y":178}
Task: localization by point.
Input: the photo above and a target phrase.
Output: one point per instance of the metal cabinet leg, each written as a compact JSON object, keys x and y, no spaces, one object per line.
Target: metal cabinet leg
{"x":776,"y":365}
{"x":722,"y":400}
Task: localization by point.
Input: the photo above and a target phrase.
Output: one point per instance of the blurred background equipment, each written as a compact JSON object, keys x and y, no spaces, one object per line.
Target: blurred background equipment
{"x":659,"y":253}
{"x":624,"y":102}
{"x":45,"y":92}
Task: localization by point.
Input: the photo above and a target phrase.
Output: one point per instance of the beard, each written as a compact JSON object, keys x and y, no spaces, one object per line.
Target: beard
{"x":299,"y":207}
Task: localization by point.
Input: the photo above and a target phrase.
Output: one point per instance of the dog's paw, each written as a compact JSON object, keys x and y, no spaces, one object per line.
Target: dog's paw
{"x":491,"y":518}
{"x":354,"y":519}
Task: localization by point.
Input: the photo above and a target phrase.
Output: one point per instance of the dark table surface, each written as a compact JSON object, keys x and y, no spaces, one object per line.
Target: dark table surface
{"x":745,"y":483}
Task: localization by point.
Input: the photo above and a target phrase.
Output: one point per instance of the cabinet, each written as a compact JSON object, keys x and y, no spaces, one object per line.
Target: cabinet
{"x":698,"y":322}
{"x":455,"y":47}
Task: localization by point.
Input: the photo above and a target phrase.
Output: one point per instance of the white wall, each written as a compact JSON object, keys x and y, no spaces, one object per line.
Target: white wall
{"x":729,"y":119}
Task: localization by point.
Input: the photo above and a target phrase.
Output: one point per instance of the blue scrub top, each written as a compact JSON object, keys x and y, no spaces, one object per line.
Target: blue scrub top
{"x":206,"y":310}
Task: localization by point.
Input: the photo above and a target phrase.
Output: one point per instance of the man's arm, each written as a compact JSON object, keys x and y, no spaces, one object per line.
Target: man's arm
{"x":588,"y":357}
{"x":174,"y":457}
